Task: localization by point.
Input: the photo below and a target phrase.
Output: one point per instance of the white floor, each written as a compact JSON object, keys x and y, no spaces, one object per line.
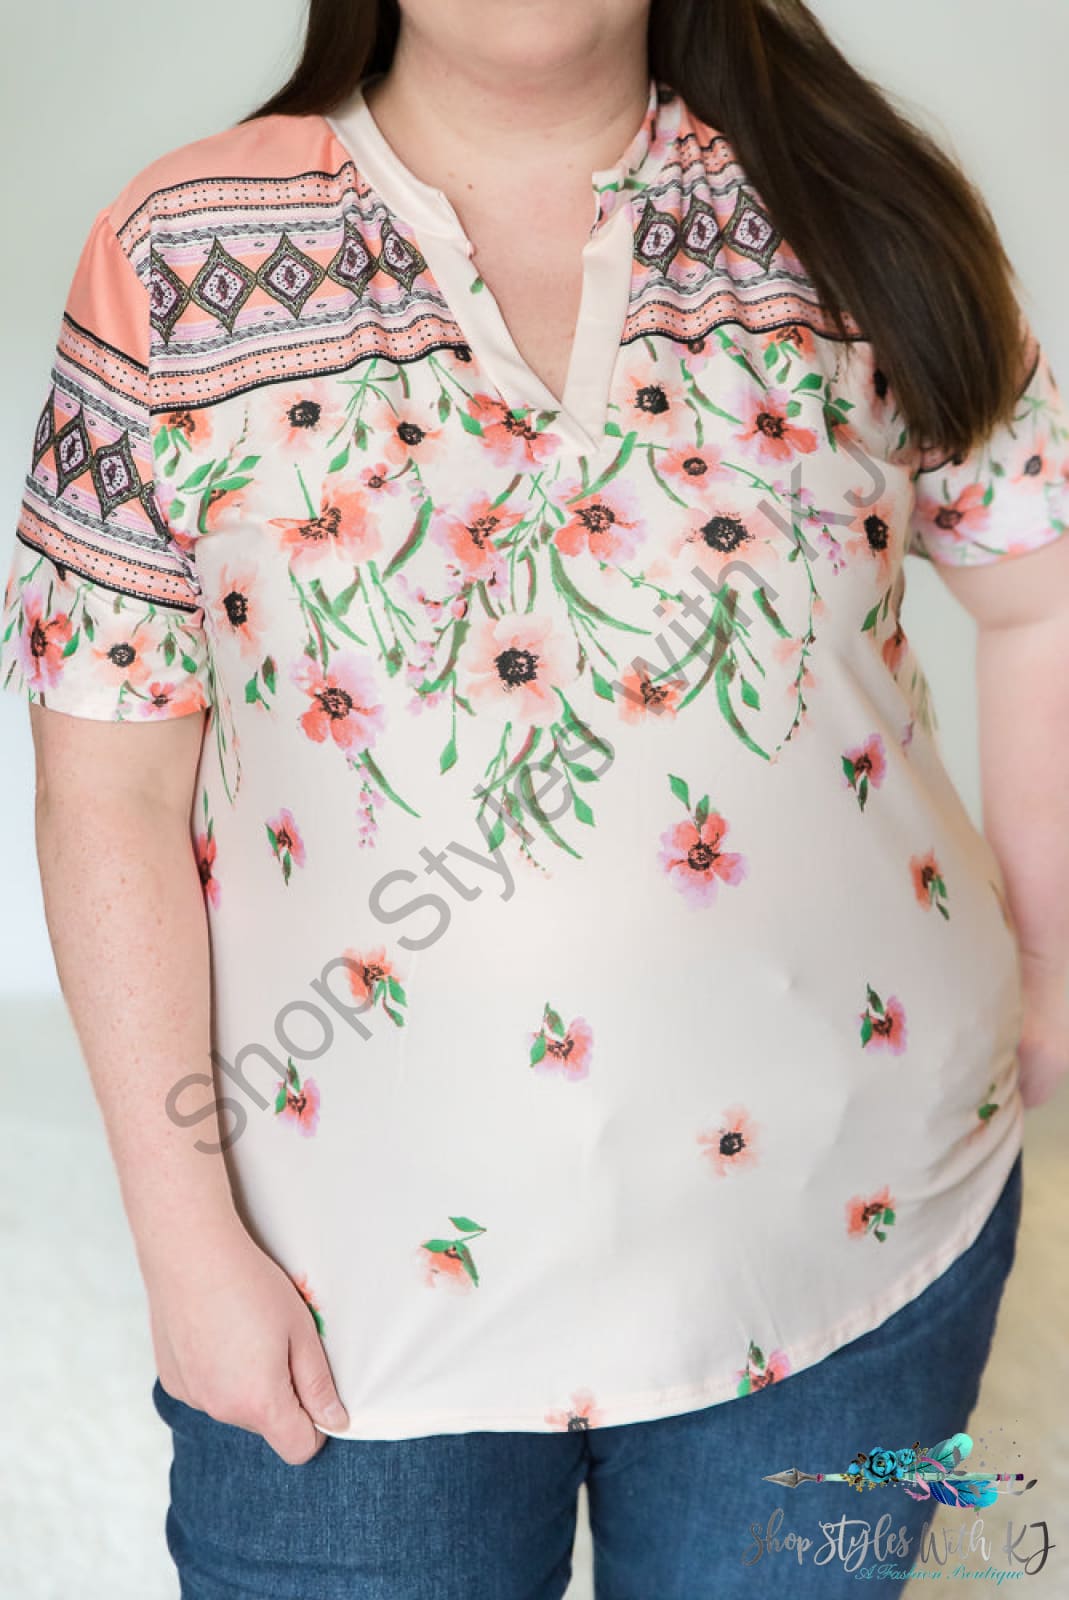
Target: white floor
{"x":84,"y":1465}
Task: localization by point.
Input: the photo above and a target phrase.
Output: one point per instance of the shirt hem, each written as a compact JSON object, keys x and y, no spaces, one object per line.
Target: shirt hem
{"x":651,"y":1405}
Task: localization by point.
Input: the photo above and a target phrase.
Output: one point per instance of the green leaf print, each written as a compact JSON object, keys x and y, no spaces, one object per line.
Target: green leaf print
{"x":679,"y":789}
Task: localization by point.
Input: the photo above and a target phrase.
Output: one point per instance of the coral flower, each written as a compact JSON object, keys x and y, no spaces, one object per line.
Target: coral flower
{"x":301,"y":1105}
{"x":732,"y":1143}
{"x":39,"y":647}
{"x":301,"y":1286}
{"x":691,"y":467}
{"x":470,"y":534}
{"x":343,"y":526}
{"x":640,"y":697}
{"x":768,"y":431}
{"x":883,"y":1024}
{"x":566,"y":1051}
{"x":870,"y":1214}
{"x":286,"y":842}
{"x":344,"y":702}
{"x":954,"y":521}
{"x":579,"y":1416}
{"x":194,"y":426}
{"x":510,"y":440}
{"x":607,"y":525}
{"x":513,"y":664}
{"x":165,"y":699}
{"x":119,"y":653}
{"x":653,"y":405}
{"x":761,"y":1370}
{"x":204,"y":847}
{"x":237,"y":606}
{"x":694,"y":860}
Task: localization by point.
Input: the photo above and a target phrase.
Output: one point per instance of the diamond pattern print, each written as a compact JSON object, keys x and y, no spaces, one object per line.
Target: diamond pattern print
{"x":290,"y":276}
{"x":115,"y":477}
{"x":168,"y":296}
{"x":222,"y":286}
{"x":73,"y":449}
{"x":46,"y":427}
{"x":400,"y":258}
{"x":656,"y":238}
{"x":354,"y":265}
{"x":701,"y":237}
{"x":751,"y":231}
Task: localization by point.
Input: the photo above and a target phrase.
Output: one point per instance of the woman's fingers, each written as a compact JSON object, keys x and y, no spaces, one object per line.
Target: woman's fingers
{"x":312,"y":1377}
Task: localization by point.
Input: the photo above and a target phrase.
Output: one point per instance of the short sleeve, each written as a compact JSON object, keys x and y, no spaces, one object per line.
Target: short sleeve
{"x":102,"y":615}
{"x":1010,"y":494}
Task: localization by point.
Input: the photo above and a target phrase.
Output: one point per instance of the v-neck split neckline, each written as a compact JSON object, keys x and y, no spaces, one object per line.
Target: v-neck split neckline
{"x":581,"y":413}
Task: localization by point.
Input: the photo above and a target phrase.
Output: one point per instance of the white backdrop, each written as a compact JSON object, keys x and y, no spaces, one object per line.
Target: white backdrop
{"x":90,"y":93}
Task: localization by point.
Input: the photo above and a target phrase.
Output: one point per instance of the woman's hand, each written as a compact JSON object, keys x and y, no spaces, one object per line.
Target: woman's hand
{"x":233,"y":1337}
{"x":1043,"y":1047}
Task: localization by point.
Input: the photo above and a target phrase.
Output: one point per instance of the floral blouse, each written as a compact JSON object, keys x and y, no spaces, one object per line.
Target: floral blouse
{"x":614,"y":1008}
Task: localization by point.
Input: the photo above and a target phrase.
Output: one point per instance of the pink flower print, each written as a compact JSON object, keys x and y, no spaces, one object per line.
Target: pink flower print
{"x":1032,"y":466}
{"x":607,"y":525}
{"x":870,"y":1214}
{"x":237,"y":608}
{"x":221,"y":508}
{"x":873,"y":526}
{"x":653,"y":405}
{"x":726,"y":530}
{"x":409,"y":439}
{"x":204,"y":850}
{"x":343,"y":526}
{"x":691,"y":468}
{"x":894,"y":648}
{"x":300,"y":417}
{"x":301,"y":1286}
{"x":373,"y":977}
{"x":298,"y":1103}
{"x":165,"y":699}
{"x":769,"y":431}
{"x":194,"y":426}
{"x":119,"y":654}
{"x":370,"y":800}
{"x":640,"y":697}
{"x":691,"y":853}
{"x":378,"y":481}
{"x":957,"y":520}
{"x":733,"y":1143}
{"x":566,"y":1051}
{"x":510,"y":440}
{"x":865,"y":767}
{"x":449,"y":1262}
{"x":929,"y":886}
{"x":580,"y":1415}
{"x":40,"y":645}
{"x":761,"y":1370}
{"x":344,"y":702}
{"x":515,"y":662}
{"x":796,"y":339}
{"x":883,"y":1026}
{"x":470,"y":534}
{"x":286,"y":842}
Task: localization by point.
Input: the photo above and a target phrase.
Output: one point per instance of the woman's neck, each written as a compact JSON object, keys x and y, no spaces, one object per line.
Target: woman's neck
{"x":457,"y":131}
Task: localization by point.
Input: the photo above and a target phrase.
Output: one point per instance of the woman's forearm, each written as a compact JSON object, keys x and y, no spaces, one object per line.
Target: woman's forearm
{"x":1023,"y":685}
{"x":128,"y":927}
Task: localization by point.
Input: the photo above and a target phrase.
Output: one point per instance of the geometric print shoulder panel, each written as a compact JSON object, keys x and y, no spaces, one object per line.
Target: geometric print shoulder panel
{"x":260,"y":279}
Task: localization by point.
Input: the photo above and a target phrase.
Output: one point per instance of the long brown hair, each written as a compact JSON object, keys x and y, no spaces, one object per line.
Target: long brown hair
{"x":887,"y":224}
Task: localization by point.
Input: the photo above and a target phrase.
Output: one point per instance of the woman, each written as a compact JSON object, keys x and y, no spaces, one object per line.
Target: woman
{"x":511,"y":436}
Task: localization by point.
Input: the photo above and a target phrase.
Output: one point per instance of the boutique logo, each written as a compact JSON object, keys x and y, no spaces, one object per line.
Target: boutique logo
{"x":883,"y":1548}
{"x":930,"y":1474}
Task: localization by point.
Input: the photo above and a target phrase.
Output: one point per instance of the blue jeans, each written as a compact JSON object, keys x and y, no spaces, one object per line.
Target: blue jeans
{"x":678,"y":1506}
